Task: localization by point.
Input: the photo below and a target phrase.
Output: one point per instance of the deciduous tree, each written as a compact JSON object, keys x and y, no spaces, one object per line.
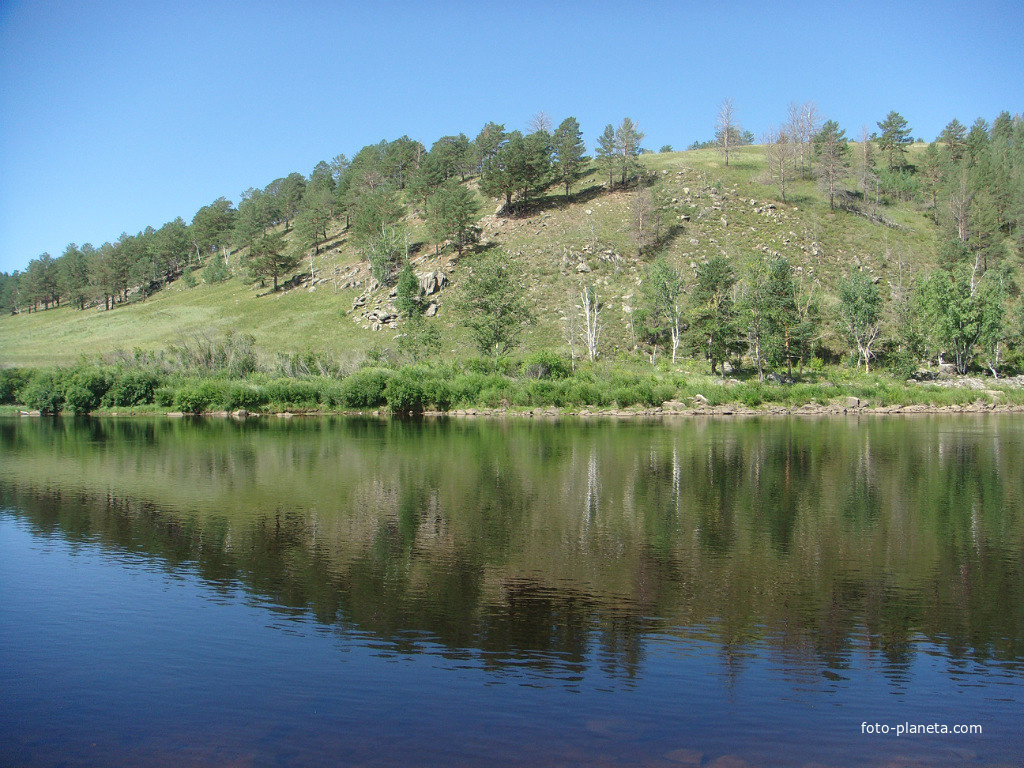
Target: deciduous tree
{"x":665,"y":293}
{"x":727,"y":130}
{"x":860,"y":314}
{"x":713,"y":315}
{"x":494,"y":305}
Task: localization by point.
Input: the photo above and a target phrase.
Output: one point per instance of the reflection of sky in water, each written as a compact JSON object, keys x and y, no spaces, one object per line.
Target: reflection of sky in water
{"x":316,"y":593}
{"x":110,"y":658}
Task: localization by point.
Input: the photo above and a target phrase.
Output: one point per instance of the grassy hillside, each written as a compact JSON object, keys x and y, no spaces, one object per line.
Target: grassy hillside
{"x":707,"y":208}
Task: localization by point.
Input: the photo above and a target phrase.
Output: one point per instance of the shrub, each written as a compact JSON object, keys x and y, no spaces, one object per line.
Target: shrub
{"x":546,"y":365}
{"x":164,"y":396}
{"x":299,"y":393}
{"x":192,"y":398}
{"x":248,"y":396}
{"x":544,"y":393}
{"x":130,"y":388}
{"x":752,"y":395}
{"x":404,"y":393}
{"x":437,"y":393}
{"x":44,"y":391}
{"x":365,"y":388}
{"x":84,"y":389}
{"x":11,"y":381}
{"x":586,"y":393}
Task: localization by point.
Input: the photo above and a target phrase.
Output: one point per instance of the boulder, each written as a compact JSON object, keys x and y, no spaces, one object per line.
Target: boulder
{"x":432,"y":282}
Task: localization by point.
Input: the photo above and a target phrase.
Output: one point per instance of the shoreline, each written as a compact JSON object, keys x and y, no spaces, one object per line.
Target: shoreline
{"x":667,"y":410}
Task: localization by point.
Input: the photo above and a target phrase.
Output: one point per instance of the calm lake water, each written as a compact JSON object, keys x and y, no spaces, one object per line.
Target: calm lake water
{"x":349,"y":592}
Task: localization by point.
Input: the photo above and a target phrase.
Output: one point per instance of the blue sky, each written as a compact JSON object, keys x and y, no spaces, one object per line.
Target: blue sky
{"x":119,"y":115}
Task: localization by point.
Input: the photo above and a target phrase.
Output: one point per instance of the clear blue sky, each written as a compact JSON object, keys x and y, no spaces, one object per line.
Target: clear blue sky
{"x":119,"y":115}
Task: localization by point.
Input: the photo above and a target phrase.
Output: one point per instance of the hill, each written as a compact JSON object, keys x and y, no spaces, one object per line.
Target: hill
{"x":701,"y":208}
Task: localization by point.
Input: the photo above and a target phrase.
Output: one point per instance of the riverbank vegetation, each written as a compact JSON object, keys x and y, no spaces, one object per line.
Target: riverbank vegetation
{"x":801,"y":270}
{"x":537,"y":381}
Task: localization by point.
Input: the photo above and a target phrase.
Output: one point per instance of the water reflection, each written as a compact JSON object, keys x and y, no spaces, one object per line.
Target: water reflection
{"x":550,"y":545}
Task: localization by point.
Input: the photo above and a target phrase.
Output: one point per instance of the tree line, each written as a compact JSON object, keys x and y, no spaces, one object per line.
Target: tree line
{"x":371,"y":192}
{"x":971,"y":182}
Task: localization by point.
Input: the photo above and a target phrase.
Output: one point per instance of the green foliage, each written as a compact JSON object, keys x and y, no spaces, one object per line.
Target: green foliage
{"x":44,"y":391}
{"x":216,"y":270}
{"x":404,"y":392}
{"x":268,"y":257}
{"x":164,"y":396}
{"x":963,"y":310}
{"x":664,"y":293}
{"x":84,"y":389}
{"x":627,"y":150}
{"x":606,"y":153}
{"x":365,"y":388}
{"x":299,"y":393}
{"x":233,"y":355}
{"x":713,"y":316}
{"x":494,"y":305}
{"x":313,"y":219}
{"x":131,"y":387}
{"x":832,"y":152}
{"x":546,"y":364}
{"x":11,"y":382}
{"x":421,"y":339}
{"x":451,"y":211}
{"x":407,"y":300}
{"x":894,"y":138}
{"x":770,"y":314}
{"x":860,"y":312}
{"x":569,"y":153}
{"x":521,"y":165}
{"x":192,"y":398}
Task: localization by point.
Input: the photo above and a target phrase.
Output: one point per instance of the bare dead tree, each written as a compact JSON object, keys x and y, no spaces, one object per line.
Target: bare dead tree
{"x":803,"y":121}
{"x":540,"y":121}
{"x":591,"y":308}
{"x":867,"y":162}
{"x":642,"y":218}
{"x":727,"y":131}
{"x":960,"y":197}
{"x":780,"y":154}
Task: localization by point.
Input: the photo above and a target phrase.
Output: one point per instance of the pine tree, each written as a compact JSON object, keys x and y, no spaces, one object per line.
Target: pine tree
{"x":268,"y":257}
{"x":606,"y":149}
{"x":833,"y":156}
{"x":954,"y":136}
{"x":894,"y":139}
{"x":627,"y":149}
{"x":451,"y":211}
{"x":570,"y":153}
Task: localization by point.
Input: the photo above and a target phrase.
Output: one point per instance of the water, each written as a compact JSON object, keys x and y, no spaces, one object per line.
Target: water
{"x":347,"y":592}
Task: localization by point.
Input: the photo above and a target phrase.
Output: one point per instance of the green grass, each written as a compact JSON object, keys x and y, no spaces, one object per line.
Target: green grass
{"x":547,"y":246}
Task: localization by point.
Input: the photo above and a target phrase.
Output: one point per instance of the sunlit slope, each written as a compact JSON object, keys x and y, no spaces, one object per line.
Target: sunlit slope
{"x":560,"y":246}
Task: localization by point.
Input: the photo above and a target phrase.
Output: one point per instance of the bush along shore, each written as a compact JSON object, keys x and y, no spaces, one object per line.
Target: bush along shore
{"x":541,"y":384}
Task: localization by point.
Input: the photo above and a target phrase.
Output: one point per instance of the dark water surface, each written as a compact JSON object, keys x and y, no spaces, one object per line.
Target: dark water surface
{"x":347,"y":592}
